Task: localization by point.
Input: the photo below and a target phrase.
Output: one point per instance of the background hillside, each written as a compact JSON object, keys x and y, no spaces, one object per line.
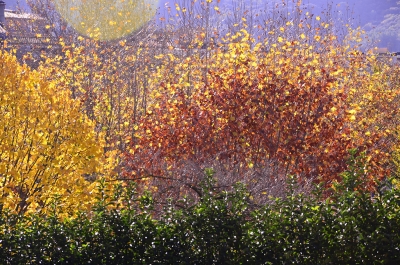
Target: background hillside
{"x":380,"y":18}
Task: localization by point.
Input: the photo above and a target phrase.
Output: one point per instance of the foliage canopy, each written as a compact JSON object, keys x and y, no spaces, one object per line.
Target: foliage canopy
{"x":47,"y":145}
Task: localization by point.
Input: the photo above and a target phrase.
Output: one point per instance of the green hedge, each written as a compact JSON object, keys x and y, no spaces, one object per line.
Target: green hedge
{"x":351,"y":227}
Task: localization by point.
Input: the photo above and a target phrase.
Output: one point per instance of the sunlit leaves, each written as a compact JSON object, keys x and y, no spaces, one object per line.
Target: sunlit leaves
{"x":255,"y":107}
{"x":47,"y":146}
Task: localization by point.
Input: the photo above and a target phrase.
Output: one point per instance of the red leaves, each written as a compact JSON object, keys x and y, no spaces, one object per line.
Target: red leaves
{"x":256,"y":112}
{"x":257,"y":118}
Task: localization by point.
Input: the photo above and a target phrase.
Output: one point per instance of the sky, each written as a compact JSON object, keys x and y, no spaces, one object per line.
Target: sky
{"x":11,"y":4}
{"x":368,"y":14}
{"x":363,"y":10}
{"x":366,"y":9}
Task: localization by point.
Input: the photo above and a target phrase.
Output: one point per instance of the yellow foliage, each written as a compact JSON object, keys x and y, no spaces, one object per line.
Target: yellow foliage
{"x":47,"y":146}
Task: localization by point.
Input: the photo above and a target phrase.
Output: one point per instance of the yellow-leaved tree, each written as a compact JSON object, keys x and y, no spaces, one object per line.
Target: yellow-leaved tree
{"x":48,"y":148}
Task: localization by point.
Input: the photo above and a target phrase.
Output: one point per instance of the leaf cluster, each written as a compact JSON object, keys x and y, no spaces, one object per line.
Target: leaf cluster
{"x":47,"y":146}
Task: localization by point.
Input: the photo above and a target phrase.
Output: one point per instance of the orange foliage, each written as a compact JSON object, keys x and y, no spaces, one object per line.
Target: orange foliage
{"x":288,"y":105}
{"x":255,"y":107}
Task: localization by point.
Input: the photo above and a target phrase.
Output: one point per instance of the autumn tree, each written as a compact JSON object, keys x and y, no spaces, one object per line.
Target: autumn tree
{"x":265,"y":111}
{"x":48,"y":147}
{"x":109,"y":77}
{"x":374,"y":101}
{"x":258,"y":97}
